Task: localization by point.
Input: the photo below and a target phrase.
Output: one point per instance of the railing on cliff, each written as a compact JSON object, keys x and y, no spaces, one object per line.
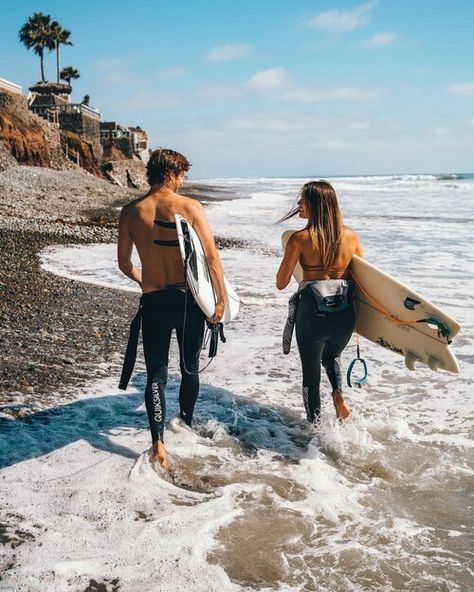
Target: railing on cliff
{"x":53,"y":111}
{"x":10,"y":86}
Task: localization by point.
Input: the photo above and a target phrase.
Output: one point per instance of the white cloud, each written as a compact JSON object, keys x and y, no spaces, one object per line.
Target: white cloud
{"x":294,"y":122}
{"x":271,"y":79}
{"x":224,"y":53}
{"x":109,"y":63}
{"x":171,"y":73}
{"x":117,"y":78}
{"x":218,"y":92}
{"x":115,"y":71}
{"x":343,"y":20}
{"x":345,"y":93}
{"x":280,"y":79}
{"x":462,"y":89}
{"x":149,"y":101}
{"x":381,"y":39}
{"x":272,"y":122}
{"x":358,"y":125}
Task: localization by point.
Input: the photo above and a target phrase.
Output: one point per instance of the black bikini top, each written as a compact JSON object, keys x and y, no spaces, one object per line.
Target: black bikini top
{"x":166,"y":243}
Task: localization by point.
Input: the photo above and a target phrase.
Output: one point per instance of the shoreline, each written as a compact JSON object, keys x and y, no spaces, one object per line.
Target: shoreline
{"x":58,"y":333}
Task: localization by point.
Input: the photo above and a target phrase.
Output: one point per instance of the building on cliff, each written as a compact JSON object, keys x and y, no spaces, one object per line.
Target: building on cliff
{"x":46,"y":129}
{"x":132,"y":141}
{"x":52,"y":101}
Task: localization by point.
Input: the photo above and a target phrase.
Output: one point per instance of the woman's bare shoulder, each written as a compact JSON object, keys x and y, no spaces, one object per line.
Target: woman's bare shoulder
{"x":299,"y":236}
{"x":350,"y":234}
{"x":352,"y":240}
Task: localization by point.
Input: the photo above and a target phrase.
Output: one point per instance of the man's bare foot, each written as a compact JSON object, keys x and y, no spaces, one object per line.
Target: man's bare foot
{"x":342,"y":410}
{"x":159,"y":452}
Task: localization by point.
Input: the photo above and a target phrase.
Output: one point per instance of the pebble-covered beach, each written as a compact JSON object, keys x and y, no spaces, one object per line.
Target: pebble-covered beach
{"x":55,"y":332}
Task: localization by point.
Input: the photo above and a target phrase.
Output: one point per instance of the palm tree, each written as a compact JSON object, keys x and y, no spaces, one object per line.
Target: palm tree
{"x":36,"y":35}
{"x":69,"y":73}
{"x":59,"y":36}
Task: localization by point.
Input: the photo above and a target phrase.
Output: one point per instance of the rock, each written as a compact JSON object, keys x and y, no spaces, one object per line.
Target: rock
{"x":6,"y":159}
{"x":126,"y":173}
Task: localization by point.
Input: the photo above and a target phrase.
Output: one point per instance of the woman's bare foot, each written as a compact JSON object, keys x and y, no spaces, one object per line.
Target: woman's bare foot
{"x":342,"y":410}
{"x":159,"y":452}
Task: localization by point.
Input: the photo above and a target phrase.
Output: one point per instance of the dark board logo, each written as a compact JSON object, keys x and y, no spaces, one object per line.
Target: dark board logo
{"x":381,"y":341}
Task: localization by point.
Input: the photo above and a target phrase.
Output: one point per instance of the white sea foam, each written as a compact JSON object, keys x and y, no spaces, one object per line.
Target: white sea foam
{"x":255,"y":498}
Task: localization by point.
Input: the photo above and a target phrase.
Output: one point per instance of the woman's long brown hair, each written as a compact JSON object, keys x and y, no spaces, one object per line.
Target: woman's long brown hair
{"x":325,"y":225}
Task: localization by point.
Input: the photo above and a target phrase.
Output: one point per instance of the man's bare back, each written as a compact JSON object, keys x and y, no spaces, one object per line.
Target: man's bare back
{"x":162,"y":265}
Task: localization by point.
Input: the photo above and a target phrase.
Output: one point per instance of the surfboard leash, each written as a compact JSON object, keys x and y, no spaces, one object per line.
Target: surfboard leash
{"x":214,"y":332}
{"x":361,"y":380}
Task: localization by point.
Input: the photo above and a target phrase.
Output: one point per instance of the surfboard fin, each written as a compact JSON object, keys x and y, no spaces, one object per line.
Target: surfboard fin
{"x":433,"y":363}
{"x":410,"y":359}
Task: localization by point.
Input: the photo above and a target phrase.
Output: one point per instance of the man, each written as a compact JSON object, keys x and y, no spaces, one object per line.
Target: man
{"x":148,"y":223}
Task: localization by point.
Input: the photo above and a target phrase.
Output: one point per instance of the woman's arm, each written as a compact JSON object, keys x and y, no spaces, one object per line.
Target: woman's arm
{"x":353,"y":241}
{"x":358,"y":248}
{"x":290,"y":259}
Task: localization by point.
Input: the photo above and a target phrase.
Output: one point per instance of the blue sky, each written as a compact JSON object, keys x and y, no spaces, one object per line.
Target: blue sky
{"x":276,"y":87}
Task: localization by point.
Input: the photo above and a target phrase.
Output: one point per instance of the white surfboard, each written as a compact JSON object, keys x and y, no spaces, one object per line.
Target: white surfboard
{"x":198,"y":277}
{"x":387,"y":312}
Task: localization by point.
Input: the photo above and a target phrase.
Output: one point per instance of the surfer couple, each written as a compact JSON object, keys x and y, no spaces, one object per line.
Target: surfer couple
{"x":324,"y":249}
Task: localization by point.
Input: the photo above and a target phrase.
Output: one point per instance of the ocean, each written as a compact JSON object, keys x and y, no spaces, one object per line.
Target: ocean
{"x":256,"y":499}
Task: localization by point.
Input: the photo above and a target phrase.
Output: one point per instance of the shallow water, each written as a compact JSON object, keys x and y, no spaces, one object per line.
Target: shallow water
{"x":254,"y":498}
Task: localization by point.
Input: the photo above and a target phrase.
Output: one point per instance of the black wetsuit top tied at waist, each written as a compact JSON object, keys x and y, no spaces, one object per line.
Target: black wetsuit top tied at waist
{"x":131,"y":352}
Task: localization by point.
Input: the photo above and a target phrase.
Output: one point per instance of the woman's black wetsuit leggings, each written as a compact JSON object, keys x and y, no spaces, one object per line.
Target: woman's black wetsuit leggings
{"x":321,"y":338}
{"x":163,"y":311}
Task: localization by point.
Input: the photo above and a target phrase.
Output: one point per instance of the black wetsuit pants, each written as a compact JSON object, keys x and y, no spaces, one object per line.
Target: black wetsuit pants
{"x":321,"y":339}
{"x":163,"y":311}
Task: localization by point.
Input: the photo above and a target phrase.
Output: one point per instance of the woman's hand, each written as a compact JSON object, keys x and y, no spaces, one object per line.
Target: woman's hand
{"x":218,"y":313}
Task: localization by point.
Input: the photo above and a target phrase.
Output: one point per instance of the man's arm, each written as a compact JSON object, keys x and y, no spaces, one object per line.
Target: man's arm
{"x":214,"y":264}
{"x":124,"y":249}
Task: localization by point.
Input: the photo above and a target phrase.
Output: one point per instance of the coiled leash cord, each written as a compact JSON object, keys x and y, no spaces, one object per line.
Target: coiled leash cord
{"x":214,"y":331}
{"x":359,"y":360}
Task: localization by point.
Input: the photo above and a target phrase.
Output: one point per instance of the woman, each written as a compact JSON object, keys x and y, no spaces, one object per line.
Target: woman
{"x":322,"y":308}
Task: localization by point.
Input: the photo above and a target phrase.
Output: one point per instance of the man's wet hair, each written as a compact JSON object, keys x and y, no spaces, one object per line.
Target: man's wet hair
{"x":164,"y":162}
